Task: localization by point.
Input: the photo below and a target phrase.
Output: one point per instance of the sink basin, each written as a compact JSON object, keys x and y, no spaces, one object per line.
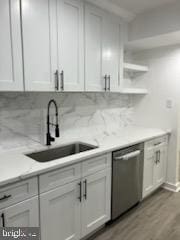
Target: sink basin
{"x":60,"y":152}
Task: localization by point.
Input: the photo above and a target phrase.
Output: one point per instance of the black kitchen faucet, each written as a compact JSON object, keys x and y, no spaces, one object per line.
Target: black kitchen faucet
{"x":49,"y":138}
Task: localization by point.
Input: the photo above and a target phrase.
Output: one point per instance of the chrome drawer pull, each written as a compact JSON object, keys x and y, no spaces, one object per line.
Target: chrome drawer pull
{"x":62,"y":80}
{"x":156,"y":144}
{"x":105,"y":79}
{"x":85,"y":193}
{"x":80,"y":191}
{"x":109,"y":79}
{"x":3,"y":220}
{"x":57,"y":80}
{"x":5,"y":197}
{"x":128,"y":156}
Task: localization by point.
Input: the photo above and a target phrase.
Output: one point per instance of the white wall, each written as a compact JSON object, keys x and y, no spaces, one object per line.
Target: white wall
{"x":161,"y":20}
{"x":163,"y":82}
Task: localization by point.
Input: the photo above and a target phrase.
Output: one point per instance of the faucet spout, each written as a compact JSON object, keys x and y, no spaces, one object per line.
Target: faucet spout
{"x":48,"y":135}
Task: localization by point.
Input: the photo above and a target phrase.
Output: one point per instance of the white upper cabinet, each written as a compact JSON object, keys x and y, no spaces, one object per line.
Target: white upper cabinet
{"x":102,"y":45}
{"x":11,"y":71}
{"x":94,"y":18}
{"x":71,"y":45}
{"x":40,"y":44}
{"x":56,"y":51}
{"x":53,"y":45}
{"x":111,"y":53}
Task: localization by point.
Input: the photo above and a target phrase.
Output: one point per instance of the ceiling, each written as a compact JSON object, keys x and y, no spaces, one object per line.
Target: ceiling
{"x":139,"y":6}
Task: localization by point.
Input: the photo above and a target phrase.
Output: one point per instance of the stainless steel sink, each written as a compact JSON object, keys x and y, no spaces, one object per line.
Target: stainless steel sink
{"x":60,"y":152}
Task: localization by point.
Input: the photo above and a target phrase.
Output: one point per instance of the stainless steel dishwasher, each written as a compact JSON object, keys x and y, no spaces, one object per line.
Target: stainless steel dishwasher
{"x":127,"y":177}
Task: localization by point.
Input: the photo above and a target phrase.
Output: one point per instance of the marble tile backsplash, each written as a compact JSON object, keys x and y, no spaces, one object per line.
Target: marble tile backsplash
{"x":23,"y":116}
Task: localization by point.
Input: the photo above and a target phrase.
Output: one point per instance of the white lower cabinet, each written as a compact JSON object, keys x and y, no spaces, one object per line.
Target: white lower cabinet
{"x":96,"y":204}
{"x":160,"y":169}
{"x":23,"y":214}
{"x":148,"y":178}
{"x":155,"y":158}
{"x":76,"y":209}
{"x":60,"y":213}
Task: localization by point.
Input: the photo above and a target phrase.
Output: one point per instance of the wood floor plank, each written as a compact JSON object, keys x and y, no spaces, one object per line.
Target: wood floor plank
{"x":156,"y":218}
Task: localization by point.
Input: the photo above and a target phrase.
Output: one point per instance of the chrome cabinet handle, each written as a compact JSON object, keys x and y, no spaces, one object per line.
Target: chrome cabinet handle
{"x":156,"y":144}
{"x":156,"y":161}
{"x":3,"y":219}
{"x":62,"y":80}
{"x":158,"y":157}
{"x":80,"y":191}
{"x":5,"y":197}
{"x":128,"y":156}
{"x":105,"y":79}
{"x":85,"y":189}
{"x":109,"y":80}
{"x":57,"y":80}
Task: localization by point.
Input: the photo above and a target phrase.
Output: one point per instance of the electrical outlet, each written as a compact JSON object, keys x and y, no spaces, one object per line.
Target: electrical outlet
{"x":169,"y":103}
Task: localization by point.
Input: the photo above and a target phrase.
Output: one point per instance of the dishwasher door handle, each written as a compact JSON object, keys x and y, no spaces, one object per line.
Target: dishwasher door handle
{"x":128,"y":156}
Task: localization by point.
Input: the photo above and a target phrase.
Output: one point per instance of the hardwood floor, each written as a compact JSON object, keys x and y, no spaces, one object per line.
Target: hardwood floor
{"x":157,"y":218}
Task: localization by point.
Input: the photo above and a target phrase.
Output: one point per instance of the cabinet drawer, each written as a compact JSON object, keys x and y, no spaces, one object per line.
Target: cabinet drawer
{"x":59,"y":177}
{"x":96,"y":164}
{"x":18,"y":192}
{"x":156,"y":142}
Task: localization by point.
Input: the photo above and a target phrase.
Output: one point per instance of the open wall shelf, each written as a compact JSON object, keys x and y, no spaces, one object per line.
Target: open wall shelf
{"x":135,"y":67}
{"x":162,"y":40}
{"x":132,"y":73}
{"x":134,"y":91}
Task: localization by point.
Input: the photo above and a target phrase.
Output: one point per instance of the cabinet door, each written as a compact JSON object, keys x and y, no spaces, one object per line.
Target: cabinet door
{"x":111,"y":53}
{"x":40,"y":44}
{"x":96,"y":204}
{"x":94,"y":22}
{"x":60,"y":213}
{"x":11,"y":73}
{"x":160,"y":167}
{"x":71,"y":44}
{"x":24,"y":214}
{"x":148,"y":174}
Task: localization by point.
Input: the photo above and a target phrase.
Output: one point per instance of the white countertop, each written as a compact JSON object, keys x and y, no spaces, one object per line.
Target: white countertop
{"x":14,"y":165}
